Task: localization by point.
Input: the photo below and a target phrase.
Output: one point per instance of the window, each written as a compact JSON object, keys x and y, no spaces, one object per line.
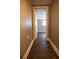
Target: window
{"x":44,"y":23}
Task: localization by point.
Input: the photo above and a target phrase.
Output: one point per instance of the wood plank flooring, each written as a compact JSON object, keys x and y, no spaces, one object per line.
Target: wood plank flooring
{"x":42,"y":49}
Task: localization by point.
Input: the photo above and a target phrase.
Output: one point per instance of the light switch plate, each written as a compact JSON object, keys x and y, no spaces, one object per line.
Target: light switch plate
{"x":27,"y":36}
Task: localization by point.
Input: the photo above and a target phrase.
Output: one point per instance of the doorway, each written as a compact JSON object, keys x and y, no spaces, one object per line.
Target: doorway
{"x":40,"y":20}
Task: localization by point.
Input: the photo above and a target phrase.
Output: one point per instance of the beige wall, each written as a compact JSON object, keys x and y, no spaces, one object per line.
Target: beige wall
{"x":41,"y":2}
{"x":54,"y":22}
{"x":25,"y":26}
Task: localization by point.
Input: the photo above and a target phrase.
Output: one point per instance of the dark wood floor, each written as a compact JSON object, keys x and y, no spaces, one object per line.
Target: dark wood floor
{"x":42,"y":49}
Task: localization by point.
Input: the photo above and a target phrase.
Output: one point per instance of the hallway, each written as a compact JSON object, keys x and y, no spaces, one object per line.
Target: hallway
{"x":42,"y":49}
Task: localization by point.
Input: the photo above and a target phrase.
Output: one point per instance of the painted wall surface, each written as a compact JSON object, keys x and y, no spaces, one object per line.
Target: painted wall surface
{"x":25,"y":26}
{"x":54,"y":22}
{"x":41,"y":2}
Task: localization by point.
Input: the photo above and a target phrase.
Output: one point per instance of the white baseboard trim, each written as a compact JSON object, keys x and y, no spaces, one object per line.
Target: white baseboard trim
{"x":54,"y":46}
{"x":28,"y":50}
